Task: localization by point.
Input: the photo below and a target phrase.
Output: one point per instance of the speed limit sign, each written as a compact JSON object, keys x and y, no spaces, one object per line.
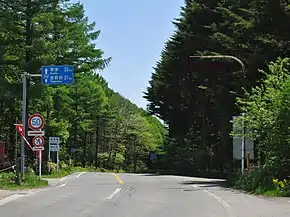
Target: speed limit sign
{"x":38,"y":141}
{"x":35,"y":122}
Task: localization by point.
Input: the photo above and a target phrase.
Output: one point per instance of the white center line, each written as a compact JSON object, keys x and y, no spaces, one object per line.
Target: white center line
{"x":62,"y":185}
{"x":113,"y":194}
{"x":80,"y":174}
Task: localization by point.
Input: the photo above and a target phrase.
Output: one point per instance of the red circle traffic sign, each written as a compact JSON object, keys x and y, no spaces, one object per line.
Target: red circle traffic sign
{"x":38,"y":141}
{"x":35,"y":122}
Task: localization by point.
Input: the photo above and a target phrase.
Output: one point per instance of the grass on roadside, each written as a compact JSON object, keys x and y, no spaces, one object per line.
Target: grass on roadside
{"x":66,"y":171}
{"x":69,"y":170}
{"x":7,"y":182}
{"x":260,"y":181}
{"x":271,"y":192}
{"x":268,"y":192}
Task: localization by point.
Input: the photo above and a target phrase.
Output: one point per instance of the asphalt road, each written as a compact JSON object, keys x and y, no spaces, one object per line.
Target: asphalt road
{"x":128,"y":195}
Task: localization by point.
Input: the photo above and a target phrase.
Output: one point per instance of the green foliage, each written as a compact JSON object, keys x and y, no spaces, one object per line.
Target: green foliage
{"x":87,"y":115}
{"x":252,"y":180}
{"x":196,"y":97}
{"x":267,"y":112}
{"x":7,"y":181}
{"x":283,"y":185}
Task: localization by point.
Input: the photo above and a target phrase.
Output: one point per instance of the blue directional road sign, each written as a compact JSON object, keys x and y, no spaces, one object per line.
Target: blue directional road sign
{"x":53,"y":75}
{"x":153,"y":156}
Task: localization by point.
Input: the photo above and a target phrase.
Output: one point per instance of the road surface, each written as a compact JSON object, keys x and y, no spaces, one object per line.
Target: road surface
{"x":129,"y":195}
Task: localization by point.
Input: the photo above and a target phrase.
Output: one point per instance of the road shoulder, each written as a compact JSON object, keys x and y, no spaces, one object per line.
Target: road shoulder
{"x":52,"y":182}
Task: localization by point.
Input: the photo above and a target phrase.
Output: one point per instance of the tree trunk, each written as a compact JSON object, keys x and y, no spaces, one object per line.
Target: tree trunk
{"x":97,"y":142}
{"x":84,"y":157}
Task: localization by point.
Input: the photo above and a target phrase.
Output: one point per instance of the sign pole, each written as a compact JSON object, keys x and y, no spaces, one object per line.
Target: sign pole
{"x":49,"y":161}
{"x":24,"y":98}
{"x":40,"y":159}
{"x":243,"y":146}
{"x":57,"y":160}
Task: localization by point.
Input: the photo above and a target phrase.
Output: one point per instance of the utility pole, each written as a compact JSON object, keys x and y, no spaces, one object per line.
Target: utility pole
{"x":24,"y":98}
{"x":223,"y":57}
{"x":24,"y":118}
{"x":243,"y":146}
{"x":243,"y":70}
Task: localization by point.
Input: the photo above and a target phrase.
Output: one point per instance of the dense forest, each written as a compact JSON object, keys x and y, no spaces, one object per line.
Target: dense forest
{"x":106,"y":129}
{"x":197,"y":97}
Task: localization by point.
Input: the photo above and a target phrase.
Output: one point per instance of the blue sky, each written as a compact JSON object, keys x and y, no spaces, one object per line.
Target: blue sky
{"x":133,"y":33}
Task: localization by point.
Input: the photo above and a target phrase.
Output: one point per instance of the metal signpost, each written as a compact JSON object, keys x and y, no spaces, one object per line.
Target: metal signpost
{"x":243,"y":148}
{"x":54,"y":147}
{"x":50,"y":75}
{"x":36,"y":122}
{"x":38,"y":143}
{"x":24,"y":98}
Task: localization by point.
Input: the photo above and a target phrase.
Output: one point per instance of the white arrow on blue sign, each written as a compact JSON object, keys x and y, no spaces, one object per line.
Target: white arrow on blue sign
{"x":60,"y":74}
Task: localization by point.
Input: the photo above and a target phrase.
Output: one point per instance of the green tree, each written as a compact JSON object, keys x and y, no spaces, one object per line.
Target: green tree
{"x":196,"y":98}
{"x":267,"y":109}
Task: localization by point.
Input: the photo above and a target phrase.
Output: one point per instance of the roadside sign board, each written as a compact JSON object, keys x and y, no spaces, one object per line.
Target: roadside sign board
{"x":38,"y":148}
{"x":54,"y":140}
{"x":36,"y":133}
{"x":73,"y":150}
{"x":54,"y":143}
{"x":59,"y":74}
{"x":54,"y":148}
{"x":38,"y":141}
{"x":238,"y":141}
{"x":35,"y":122}
{"x":153,"y":156}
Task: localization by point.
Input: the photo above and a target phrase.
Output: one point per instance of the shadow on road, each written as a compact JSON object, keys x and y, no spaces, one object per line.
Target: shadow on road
{"x":186,"y":189}
{"x":151,"y":174}
{"x":206,"y":183}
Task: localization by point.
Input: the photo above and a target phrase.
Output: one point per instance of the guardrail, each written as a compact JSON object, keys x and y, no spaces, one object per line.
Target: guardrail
{"x":8,"y":168}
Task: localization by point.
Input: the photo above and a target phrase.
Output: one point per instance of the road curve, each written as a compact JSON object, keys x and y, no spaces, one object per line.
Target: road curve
{"x":129,"y":195}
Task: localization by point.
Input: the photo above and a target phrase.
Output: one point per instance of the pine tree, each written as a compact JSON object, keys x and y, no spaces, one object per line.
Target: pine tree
{"x":196,"y":97}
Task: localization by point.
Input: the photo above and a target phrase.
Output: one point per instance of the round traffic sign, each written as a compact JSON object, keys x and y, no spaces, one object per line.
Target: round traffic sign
{"x":38,"y":141}
{"x":35,"y":122}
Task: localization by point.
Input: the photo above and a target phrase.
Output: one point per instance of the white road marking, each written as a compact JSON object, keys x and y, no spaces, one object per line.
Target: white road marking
{"x":62,"y":179}
{"x":27,"y":194}
{"x":62,"y":185}
{"x":113,"y":194}
{"x":80,"y":174}
{"x":10,"y":198}
{"x":220,"y":200}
